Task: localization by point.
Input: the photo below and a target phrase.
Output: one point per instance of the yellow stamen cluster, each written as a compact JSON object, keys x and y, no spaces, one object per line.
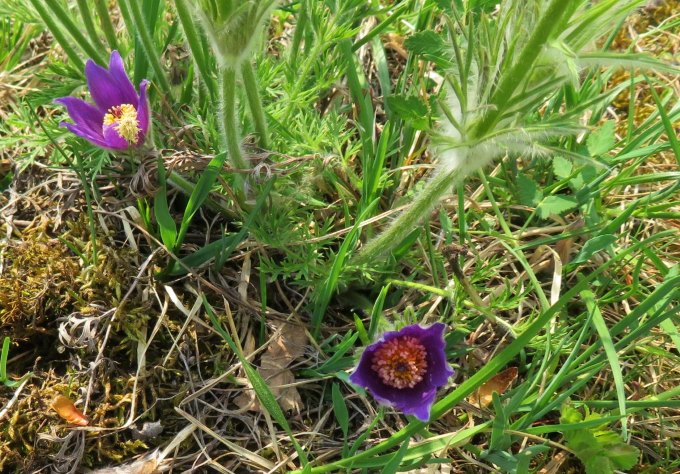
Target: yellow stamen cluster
{"x":124,"y":120}
{"x":400,"y":362}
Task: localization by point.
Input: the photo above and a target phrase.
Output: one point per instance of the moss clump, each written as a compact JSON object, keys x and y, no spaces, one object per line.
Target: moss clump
{"x":37,"y":284}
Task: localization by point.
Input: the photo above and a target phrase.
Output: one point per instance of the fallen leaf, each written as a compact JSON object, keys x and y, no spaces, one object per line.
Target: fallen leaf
{"x":288,"y":345}
{"x":499,"y":383}
{"x":68,"y":411}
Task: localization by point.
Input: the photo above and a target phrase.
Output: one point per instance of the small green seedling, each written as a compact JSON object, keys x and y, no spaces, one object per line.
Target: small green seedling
{"x":3,"y":367}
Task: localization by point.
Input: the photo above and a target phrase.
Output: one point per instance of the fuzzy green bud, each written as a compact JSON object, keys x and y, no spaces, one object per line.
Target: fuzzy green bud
{"x":233,"y":27}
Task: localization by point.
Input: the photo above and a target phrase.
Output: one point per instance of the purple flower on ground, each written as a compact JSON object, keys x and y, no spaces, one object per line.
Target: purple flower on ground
{"x":404,"y":368}
{"x":119,"y":117}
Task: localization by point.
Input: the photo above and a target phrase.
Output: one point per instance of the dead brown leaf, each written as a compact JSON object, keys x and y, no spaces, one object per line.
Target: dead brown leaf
{"x":499,"y":383}
{"x":288,"y":345}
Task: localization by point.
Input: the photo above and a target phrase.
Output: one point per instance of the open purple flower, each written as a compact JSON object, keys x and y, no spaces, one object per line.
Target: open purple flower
{"x":119,"y":117}
{"x":404,"y":368}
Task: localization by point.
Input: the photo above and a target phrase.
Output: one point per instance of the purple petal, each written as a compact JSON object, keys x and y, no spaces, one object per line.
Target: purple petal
{"x":117,"y":71}
{"x":86,"y":116}
{"x":113,"y":140}
{"x":415,"y":401}
{"x":106,"y":90}
{"x":439,"y":369}
{"x":143,"y":112}
{"x":86,"y":134}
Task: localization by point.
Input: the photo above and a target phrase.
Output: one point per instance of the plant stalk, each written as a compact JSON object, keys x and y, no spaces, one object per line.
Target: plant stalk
{"x":230,"y":129}
{"x":105,"y":20}
{"x":75,"y":32}
{"x":52,"y":26}
{"x":419,"y":209}
{"x":255,"y":103}
{"x":195,"y":44}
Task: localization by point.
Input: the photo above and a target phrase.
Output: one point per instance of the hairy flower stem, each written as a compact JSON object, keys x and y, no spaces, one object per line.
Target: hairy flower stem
{"x":445,"y":178}
{"x":399,"y":229}
{"x":230,"y":129}
{"x":255,"y":103}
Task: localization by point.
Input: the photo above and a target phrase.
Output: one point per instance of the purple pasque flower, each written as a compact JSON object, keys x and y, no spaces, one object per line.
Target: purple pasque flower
{"x":119,"y":118}
{"x":404,"y":368}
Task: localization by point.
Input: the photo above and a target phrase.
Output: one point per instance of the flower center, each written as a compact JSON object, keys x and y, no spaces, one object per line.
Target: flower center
{"x":400,"y":362}
{"x":123,"y":118}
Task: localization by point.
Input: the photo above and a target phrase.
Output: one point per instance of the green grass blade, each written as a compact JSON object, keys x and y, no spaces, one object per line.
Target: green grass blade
{"x":667,"y":122}
{"x":340,"y":409}
{"x":255,"y":103}
{"x":608,"y":345}
{"x":393,"y":464}
{"x":3,"y":358}
{"x":150,"y":13}
{"x":166,"y":222}
{"x":201,"y":192}
{"x":331,"y":282}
